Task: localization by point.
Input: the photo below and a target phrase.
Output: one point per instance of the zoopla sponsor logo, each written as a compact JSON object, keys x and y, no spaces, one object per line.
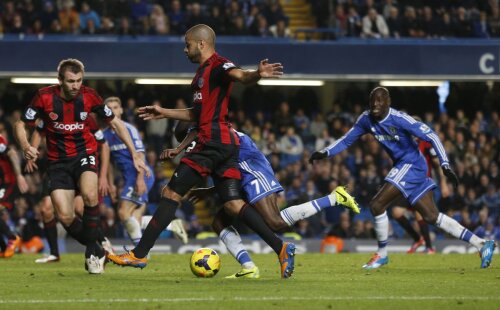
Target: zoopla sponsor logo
{"x":68,"y":127}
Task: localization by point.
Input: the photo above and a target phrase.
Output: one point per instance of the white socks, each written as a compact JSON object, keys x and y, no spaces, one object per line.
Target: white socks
{"x":293,"y":214}
{"x":233,"y":242}
{"x":382,"y":232}
{"x":133,"y":229}
{"x":454,"y":228}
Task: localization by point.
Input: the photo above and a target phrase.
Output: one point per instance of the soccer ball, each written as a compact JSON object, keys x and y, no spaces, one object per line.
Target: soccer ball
{"x":205,"y":263}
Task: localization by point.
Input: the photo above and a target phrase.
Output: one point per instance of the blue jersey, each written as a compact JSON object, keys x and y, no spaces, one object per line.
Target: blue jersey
{"x":119,"y":152}
{"x":125,"y":163}
{"x":395,"y":132}
{"x":257,"y":175}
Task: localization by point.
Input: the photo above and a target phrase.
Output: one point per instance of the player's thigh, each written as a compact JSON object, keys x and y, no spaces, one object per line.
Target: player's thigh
{"x":384,"y":198}
{"x":270,"y":212}
{"x":427,"y":208}
{"x":62,"y":199}
{"x":184,"y":178}
{"x":87,"y":184}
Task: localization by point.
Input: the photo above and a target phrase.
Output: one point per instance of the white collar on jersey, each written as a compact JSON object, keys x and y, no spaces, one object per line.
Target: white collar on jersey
{"x":387,"y":116}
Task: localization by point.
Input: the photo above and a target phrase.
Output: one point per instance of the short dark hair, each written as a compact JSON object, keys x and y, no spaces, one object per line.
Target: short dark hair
{"x":74,"y":65}
{"x":380,"y":89}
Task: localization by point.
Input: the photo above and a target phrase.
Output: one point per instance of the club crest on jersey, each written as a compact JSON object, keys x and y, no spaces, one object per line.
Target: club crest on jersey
{"x":200,"y":82}
{"x":30,"y":114}
{"x":228,"y":65}
{"x":424,"y":128}
{"x":83,"y":115}
{"x":107,"y":111}
{"x":53,"y":116}
{"x":3,"y":147}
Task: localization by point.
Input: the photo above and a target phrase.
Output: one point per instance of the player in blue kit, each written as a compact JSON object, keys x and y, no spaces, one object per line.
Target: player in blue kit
{"x":394,"y":130}
{"x":134,"y":195}
{"x":259,"y":187}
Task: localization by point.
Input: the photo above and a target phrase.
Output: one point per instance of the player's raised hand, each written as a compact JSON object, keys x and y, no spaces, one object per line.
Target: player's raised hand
{"x":169,"y":153}
{"x":267,"y":70}
{"x":31,"y":166}
{"x":200,"y":193}
{"x":150,"y":112}
{"x":31,"y":153}
{"x":450,"y":175}
{"x":103,"y":187}
{"x":317,"y":155}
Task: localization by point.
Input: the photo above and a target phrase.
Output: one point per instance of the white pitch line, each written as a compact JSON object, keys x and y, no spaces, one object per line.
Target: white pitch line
{"x":211,"y":299}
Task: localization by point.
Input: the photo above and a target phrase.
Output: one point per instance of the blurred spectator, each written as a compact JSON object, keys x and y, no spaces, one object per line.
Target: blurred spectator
{"x":139,"y":11}
{"x":374,"y":25}
{"x":107,"y":26}
{"x":354,"y":24}
{"x":494,"y":21}
{"x":216,"y":20}
{"x":177,"y":18}
{"x":17,"y":25}
{"x":48,"y":15}
{"x":237,"y":27}
{"x":481,"y":28}
{"x":8,"y":14}
{"x":195,"y":16}
{"x":429,"y":23}
{"x":87,"y":14}
{"x":69,"y":17}
{"x":158,"y":21}
{"x":273,"y":13}
{"x":156,"y":132}
{"x":262,"y":28}
{"x":125,"y":27}
{"x":291,"y":147}
{"x":280,"y":30}
{"x":411,"y":27}
{"x":463,"y":26}
{"x":394,"y":22}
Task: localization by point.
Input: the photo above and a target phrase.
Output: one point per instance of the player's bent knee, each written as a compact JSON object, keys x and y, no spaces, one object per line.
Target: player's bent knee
{"x":430,"y":218}
{"x":233,"y":207}
{"x":65,"y":218}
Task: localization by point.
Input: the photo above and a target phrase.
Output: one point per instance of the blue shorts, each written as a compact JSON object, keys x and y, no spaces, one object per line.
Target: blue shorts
{"x":257,"y":179}
{"x":128,"y":192}
{"x":411,"y":180}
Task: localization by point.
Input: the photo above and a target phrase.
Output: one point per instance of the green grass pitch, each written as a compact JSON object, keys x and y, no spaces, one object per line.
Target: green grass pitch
{"x":320,"y":281}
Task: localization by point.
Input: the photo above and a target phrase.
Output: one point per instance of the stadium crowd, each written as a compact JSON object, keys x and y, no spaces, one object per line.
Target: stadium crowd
{"x":287,"y":130}
{"x":260,"y":18}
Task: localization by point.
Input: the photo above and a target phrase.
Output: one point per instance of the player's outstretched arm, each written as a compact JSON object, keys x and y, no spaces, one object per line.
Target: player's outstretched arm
{"x":124,"y":135}
{"x":152,"y":112}
{"x":265,"y":70}
{"x":30,"y":152}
